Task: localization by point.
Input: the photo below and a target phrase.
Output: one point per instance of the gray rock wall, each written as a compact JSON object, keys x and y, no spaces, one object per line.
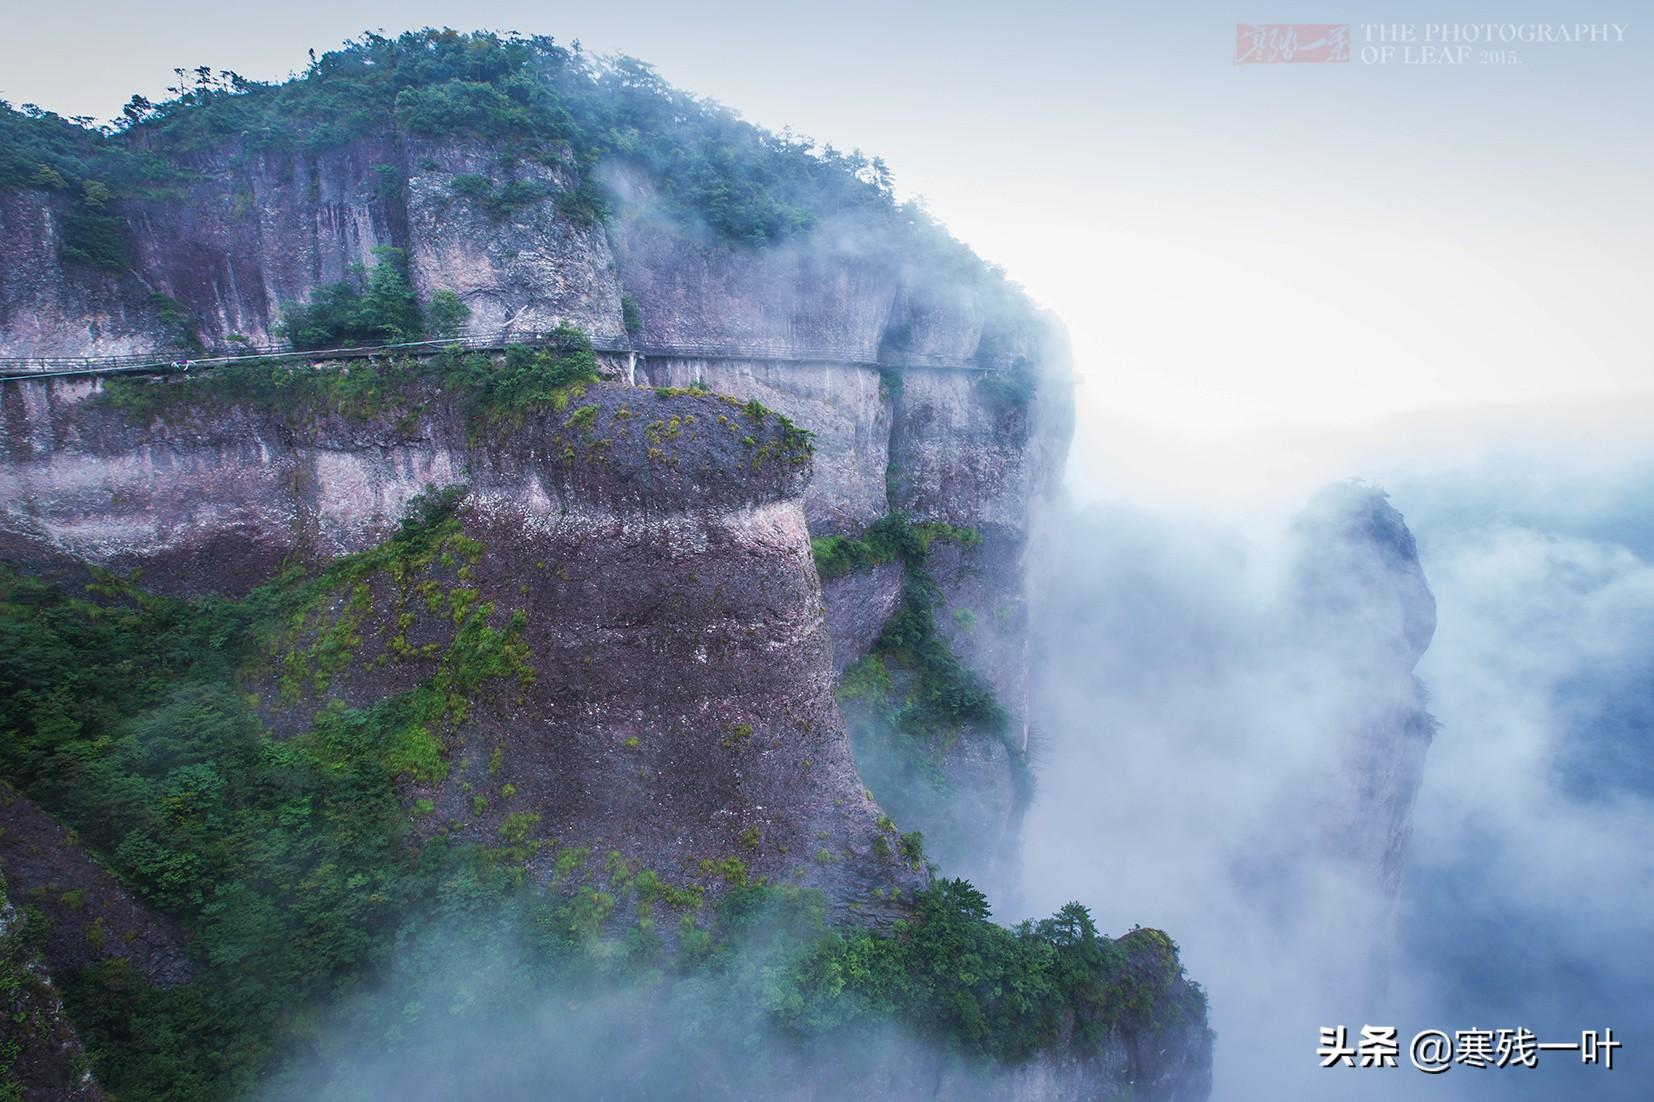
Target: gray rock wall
{"x":967,"y":421}
{"x":682,"y":704}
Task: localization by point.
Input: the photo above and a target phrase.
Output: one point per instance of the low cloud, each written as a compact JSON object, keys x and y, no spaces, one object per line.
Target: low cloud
{"x":1191,"y":761}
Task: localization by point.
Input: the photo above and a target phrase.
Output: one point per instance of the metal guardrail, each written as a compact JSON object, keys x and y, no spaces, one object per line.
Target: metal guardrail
{"x":12,"y":370}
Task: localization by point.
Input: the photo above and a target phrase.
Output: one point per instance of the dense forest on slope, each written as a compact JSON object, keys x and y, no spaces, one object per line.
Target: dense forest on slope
{"x":530,"y":97}
{"x":297,"y":870}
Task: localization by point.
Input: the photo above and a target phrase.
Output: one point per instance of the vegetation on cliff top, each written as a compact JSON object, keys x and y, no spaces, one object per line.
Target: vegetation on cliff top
{"x":489,"y":392}
{"x":295,"y":870}
{"x":891,"y":538}
{"x":529,"y":96}
{"x":493,"y":394}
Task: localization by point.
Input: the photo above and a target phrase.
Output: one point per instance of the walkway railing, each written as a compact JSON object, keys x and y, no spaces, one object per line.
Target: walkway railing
{"x":166,"y":363}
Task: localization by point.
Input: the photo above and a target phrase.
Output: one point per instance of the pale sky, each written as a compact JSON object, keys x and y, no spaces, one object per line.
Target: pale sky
{"x":1243,"y":254}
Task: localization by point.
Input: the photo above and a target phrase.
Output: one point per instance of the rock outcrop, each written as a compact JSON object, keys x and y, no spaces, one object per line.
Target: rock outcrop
{"x":41,"y":1055}
{"x":88,"y":916}
{"x":678,"y":699}
{"x":1360,"y":603}
{"x":933,"y":388}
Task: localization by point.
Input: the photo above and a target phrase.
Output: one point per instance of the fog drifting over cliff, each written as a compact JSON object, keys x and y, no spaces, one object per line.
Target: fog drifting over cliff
{"x":1190,"y":741}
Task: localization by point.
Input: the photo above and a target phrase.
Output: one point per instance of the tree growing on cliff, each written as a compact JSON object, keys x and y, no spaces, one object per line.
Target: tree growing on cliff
{"x":375,"y":305}
{"x":445,"y":314}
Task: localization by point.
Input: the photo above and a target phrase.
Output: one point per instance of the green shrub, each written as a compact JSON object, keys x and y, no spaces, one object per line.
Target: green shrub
{"x":517,"y":825}
{"x":944,"y":695}
{"x":529,"y":378}
{"x":631,"y":314}
{"x":501,"y":202}
{"x":586,"y":205}
{"x":375,"y":305}
{"x":39,"y":149}
{"x":176,"y":320}
{"x":413,"y":751}
{"x":285,"y":860}
{"x":890,"y":538}
{"x":1013,"y":388}
{"x":446,"y":314}
{"x":45,"y":176}
{"x":96,"y":240}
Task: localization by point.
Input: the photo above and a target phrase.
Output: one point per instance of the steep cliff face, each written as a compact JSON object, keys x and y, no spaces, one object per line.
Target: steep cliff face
{"x":86,"y":915}
{"x":966,"y":421}
{"x":1236,"y":734}
{"x":676,"y":700}
{"x":642,"y":677}
{"x":666,"y":691}
{"x":41,"y":1055}
{"x":254,"y":229}
{"x":1360,"y":601}
{"x":977,"y":444}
